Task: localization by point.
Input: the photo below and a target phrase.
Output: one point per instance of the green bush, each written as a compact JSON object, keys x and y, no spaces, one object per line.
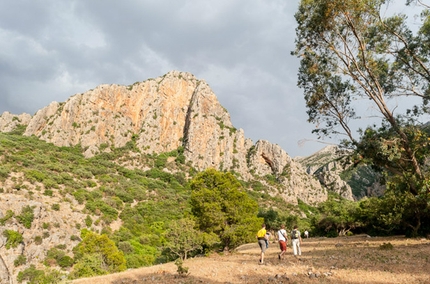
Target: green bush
{"x":4,"y":172}
{"x":55,"y":207}
{"x":34,"y":276}
{"x":14,"y":238}
{"x":65,"y":261}
{"x":9,"y":214}
{"x":48,"y":192}
{"x":88,"y":221}
{"x":20,"y":260}
{"x":38,"y":240}
{"x":27,"y":216}
{"x":31,"y":274}
{"x":97,"y":255}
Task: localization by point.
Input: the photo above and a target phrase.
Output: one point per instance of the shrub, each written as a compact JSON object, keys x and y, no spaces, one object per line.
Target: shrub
{"x":14,"y":238}
{"x":97,"y":255}
{"x":74,"y":238}
{"x":55,"y":207}
{"x":65,"y":261}
{"x":38,"y":240}
{"x":31,"y":274}
{"x":386,"y":246}
{"x":48,"y":192}
{"x":88,"y":221}
{"x":9,"y":214}
{"x":182,"y":271}
{"x":20,"y":260}
{"x":26,"y":217}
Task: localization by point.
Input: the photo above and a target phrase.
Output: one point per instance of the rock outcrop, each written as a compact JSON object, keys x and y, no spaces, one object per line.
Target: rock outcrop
{"x":162,"y":114}
{"x":8,"y":121}
{"x":333,"y":169}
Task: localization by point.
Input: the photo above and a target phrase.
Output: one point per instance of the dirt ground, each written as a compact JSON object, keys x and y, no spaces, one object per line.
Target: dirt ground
{"x":350,"y":260}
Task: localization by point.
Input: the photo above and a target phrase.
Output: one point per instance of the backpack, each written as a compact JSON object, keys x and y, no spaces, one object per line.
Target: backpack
{"x":295,"y":234}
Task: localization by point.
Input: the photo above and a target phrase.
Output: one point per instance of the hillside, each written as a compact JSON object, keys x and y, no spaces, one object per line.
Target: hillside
{"x":50,"y":194}
{"x":358,"y":259}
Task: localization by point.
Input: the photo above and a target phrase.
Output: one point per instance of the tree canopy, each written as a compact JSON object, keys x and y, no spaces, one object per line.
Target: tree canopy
{"x":222,"y":207}
{"x":351,"y":52}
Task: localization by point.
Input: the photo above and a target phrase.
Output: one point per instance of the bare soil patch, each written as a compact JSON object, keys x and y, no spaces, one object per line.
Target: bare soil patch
{"x":351,"y":260}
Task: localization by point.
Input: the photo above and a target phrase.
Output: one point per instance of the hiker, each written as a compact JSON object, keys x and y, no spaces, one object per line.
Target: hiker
{"x":282,"y":239}
{"x":261,"y":237}
{"x":296,"y":241}
{"x":306,"y":234}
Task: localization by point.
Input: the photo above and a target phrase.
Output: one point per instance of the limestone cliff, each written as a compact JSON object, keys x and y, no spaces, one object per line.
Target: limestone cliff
{"x":334,"y":170}
{"x":162,"y":114}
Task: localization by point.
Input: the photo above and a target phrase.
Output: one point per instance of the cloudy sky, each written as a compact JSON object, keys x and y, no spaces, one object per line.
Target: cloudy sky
{"x":51,"y":50}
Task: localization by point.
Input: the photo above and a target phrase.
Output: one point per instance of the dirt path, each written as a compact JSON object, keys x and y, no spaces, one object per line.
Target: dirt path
{"x":349,"y":260}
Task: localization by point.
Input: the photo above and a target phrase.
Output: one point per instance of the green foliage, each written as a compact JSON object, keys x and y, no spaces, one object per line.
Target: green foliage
{"x":96,"y":207}
{"x":181,"y":269}
{"x":88,"y":221}
{"x":337,"y":217}
{"x":34,"y":276}
{"x":20,"y":260}
{"x":97,"y":255}
{"x":13,"y":238}
{"x":182,"y":237}
{"x":221,"y":206}
{"x":58,"y":257}
{"x":26,"y":217}
{"x":9,"y":214}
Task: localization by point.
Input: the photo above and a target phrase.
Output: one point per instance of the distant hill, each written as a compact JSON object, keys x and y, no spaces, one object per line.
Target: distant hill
{"x":332,"y":167}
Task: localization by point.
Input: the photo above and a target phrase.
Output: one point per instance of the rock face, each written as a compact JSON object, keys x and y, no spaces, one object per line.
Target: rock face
{"x":333,"y":169}
{"x":162,"y":114}
{"x":9,"y":122}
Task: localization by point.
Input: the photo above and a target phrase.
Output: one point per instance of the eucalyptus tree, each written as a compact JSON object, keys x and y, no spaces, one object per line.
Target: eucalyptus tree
{"x":351,"y":53}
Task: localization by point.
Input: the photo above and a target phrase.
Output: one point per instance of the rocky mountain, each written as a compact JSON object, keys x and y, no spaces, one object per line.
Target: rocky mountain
{"x":333,"y":168}
{"x":163,"y":114}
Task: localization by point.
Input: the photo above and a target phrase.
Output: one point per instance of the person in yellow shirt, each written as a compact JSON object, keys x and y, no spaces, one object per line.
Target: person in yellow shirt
{"x":261,"y":237}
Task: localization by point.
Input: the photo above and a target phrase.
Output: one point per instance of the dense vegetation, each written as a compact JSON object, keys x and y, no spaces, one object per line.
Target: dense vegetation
{"x":167,"y":212}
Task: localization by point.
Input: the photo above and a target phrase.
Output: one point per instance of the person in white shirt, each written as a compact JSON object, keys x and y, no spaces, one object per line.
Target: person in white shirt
{"x":296,"y":241}
{"x":282,"y":238}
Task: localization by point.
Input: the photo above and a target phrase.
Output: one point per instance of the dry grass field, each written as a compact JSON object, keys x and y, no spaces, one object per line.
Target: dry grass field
{"x":351,"y":260}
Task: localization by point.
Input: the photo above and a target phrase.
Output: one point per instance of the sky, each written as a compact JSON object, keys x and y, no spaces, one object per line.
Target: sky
{"x":51,"y":50}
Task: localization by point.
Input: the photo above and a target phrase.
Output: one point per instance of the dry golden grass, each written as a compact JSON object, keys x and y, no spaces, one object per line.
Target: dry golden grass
{"x":352,"y":260}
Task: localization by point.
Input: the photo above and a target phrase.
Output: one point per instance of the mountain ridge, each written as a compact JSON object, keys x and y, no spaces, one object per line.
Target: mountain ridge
{"x":162,"y":114}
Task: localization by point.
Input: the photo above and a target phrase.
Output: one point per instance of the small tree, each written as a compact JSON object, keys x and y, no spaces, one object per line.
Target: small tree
{"x":13,"y":238}
{"x":97,"y":255}
{"x":183,"y":238}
